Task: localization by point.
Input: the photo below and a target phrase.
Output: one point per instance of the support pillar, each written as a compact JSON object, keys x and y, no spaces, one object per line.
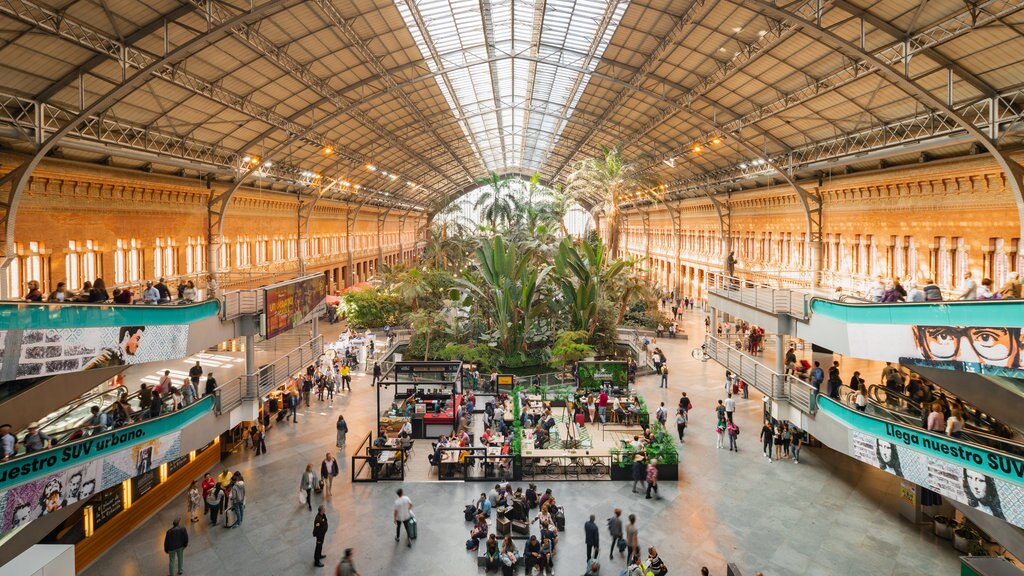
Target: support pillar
{"x":251,"y":385}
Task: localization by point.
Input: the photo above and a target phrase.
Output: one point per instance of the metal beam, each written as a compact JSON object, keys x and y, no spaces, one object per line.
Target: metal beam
{"x":1014,"y":172}
{"x":19,"y":177}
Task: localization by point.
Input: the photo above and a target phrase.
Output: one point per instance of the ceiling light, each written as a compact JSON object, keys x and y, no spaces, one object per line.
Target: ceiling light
{"x":246,"y":160}
{"x":762,"y":32}
{"x":716,"y":140}
{"x":268,"y":164}
{"x":344,"y":183}
{"x":737,"y":29}
{"x":743,"y":166}
{"x":371,"y":167}
{"x":328,"y":150}
{"x":697,"y":148}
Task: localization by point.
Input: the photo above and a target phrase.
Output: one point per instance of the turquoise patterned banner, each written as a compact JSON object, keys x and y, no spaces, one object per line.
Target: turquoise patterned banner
{"x":22,"y":316}
{"x":984,"y":479}
{"x":953,"y":313}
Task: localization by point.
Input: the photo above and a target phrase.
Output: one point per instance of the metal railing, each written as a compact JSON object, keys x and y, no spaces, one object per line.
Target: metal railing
{"x":239,"y":302}
{"x":763,"y":297}
{"x":272,"y":375}
{"x":801,"y":394}
{"x":228,"y":395}
{"x":762,"y":378}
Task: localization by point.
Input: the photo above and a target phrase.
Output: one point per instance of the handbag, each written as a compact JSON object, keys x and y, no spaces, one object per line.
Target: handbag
{"x":302,"y":496}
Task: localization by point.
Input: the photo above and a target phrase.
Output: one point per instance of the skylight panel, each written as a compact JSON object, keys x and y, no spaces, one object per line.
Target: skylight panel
{"x":483,"y":61}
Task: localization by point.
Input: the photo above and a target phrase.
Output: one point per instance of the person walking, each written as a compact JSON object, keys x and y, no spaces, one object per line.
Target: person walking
{"x":767,"y":438}
{"x":403,"y":515}
{"x":615,"y":531}
{"x":652,"y":478}
{"x":638,"y":470}
{"x":730,"y":406}
{"x":175,"y":542}
{"x":211,"y":383}
{"x":376,"y":374}
{"x":342,"y":427}
{"x":347,"y":567}
{"x":592,"y":538}
{"x":307,"y":483}
{"x":328,"y":470}
{"x":195,"y":372}
{"x":319,"y":531}
{"x":632,"y":539}
{"x":664,"y":376}
{"x":237,"y":499}
{"x":681,"y":417}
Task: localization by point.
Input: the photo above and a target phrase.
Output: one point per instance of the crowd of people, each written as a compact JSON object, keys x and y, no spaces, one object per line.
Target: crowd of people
{"x":96,"y":293}
{"x":887,"y":290}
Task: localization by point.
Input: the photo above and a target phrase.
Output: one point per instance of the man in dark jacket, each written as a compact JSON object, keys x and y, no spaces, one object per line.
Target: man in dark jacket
{"x":615,"y":530}
{"x":319,"y":531}
{"x":211,"y":384}
{"x":175,"y":542}
{"x":593,"y":536}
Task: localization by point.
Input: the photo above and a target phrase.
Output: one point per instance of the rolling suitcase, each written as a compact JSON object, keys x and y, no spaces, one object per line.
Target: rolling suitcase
{"x":412,"y":528}
{"x":560,"y":519}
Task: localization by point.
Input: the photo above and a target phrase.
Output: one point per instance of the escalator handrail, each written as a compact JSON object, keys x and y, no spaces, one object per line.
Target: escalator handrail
{"x":967,"y":437}
{"x":974,"y":412}
{"x":76,"y":404}
{"x":966,"y":442}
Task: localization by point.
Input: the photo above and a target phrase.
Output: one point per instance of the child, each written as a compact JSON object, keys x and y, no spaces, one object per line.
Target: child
{"x":193,"y":497}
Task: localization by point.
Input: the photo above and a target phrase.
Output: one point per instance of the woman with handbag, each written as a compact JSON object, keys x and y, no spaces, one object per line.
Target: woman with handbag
{"x":306,"y":485}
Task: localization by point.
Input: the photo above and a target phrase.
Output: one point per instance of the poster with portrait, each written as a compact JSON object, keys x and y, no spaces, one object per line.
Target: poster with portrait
{"x":45,"y":352}
{"x":978,"y":349}
{"x":982,"y":481}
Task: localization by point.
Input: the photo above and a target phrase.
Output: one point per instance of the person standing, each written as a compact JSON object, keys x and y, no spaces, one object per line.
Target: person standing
{"x":730,"y":406}
{"x":319,"y":531}
{"x":402,"y":516}
{"x":188,"y":392}
{"x":328,"y":470}
{"x":376,"y":374}
{"x":664,"y":376}
{"x":35,"y":439}
{"x":346,"y":377}
{"x":592,"y":538}
{"x":307,"y":483}
{"x":347,"y":568}
{"x":733,"y":431}
{"x":652,"y":478}
{"x":342,"y":430}
{"x":632,"y":539}
{"x":213,"y":501}
{"x":237,"y":499}
{"x":195,"y":373}
{"x":165,"y":382}
{"x":767,"y":438}
{"x":175,"y":542}
{"x":192,"y":498}
{"x":638,"y":470}
{"x":211,"y":383}
{"x":615,"y":531}
{"x":602,"y":405}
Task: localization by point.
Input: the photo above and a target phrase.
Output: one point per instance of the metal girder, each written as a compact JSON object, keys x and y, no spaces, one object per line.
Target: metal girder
{"x":896,"y":53}
{"x":1013,"y":171}
{"x":221,"y":24}
{"x":539,"y":9}
{"x":382,"y":72}
{"x":683,"y":25}
{"x":920,"y":132}
{"x":488,"y":28}
{"x":724,"y":223}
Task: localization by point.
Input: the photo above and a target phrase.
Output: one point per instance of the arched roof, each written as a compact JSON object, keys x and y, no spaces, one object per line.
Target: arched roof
{"x":436,"y":93}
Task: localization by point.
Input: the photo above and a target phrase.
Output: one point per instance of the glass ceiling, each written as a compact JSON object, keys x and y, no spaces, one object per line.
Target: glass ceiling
{"x":512,"y":70}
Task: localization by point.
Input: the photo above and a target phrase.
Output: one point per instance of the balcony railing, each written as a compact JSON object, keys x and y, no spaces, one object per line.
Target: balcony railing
{"x":761,"y":296}
{"x":753,"y":373}
{"x":273,"y":374}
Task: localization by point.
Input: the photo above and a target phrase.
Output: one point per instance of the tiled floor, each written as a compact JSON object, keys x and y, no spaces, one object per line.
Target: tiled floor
{"x":827,"y":515}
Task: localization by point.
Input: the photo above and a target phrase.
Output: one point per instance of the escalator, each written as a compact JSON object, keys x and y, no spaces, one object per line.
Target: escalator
{"x":1000,"y":396}
{"x":25,"y":400}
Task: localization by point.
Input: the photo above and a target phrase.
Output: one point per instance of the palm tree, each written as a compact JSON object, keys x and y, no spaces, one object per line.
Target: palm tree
{"x":498,"y":202}
{"x":610,"y":179}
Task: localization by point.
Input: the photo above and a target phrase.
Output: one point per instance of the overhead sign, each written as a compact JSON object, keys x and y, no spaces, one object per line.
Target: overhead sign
{"x":421,"y":368}
{"x":292,"y":303}
{"x":602,"y":374}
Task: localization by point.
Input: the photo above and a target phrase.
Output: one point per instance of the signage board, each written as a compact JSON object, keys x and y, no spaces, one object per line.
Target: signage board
{"x":596,"y":375}
{"x":292,"y":303}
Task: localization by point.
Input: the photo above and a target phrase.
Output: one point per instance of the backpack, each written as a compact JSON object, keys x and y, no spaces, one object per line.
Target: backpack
{"x":469,"y":513}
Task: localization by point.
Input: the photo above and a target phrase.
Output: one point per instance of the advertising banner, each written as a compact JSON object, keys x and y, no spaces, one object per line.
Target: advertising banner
{"x":984,"y":479}
{"x":45,"y":352}
{"x":289,"y":304}
{"x":44,"y":482}
{"x":594,"y":375}
{"x":978,"y":349}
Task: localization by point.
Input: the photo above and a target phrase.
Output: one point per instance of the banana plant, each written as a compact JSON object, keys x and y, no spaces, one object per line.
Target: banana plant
{"x":509,"y":291}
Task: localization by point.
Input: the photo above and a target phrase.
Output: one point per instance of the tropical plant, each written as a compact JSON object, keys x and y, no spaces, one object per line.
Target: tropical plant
{"x":497,"y":203}
{"x":368,"y":307}
{"x":570,"y":346}
{"x":507,"y":289}
{"x":610,"y":180}
{"x":426,"y":323}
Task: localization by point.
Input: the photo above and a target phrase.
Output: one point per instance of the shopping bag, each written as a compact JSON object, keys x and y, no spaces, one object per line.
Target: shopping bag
{"x":302,"y":496}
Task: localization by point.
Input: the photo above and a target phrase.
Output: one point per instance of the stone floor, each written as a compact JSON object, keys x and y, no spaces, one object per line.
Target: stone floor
{"x":827,"y":515}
